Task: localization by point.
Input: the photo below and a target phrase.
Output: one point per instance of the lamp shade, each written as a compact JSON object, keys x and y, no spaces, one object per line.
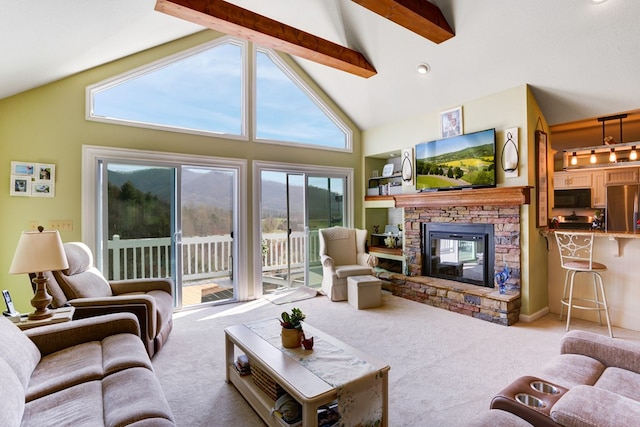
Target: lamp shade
{"x":39,"y":251}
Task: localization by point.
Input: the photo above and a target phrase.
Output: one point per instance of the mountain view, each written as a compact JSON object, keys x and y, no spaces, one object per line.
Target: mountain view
{"x":139,"y":203}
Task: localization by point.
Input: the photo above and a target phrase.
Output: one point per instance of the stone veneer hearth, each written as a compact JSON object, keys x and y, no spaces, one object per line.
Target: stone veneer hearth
{"x":477,"y":301}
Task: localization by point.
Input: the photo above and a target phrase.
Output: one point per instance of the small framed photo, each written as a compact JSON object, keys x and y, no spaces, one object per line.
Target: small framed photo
{"x":20,"y":185}
{"x":45,"y":172}
{"x":451,"y":122}
{"x":387,"y":170}
{"x":23,"y":169}
{"x":42,"y":189}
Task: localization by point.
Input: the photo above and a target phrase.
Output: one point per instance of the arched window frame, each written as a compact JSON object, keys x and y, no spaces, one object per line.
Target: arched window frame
{"x":156,"y":65}
{"x":306,"y":89}
{"x":248,"y":77}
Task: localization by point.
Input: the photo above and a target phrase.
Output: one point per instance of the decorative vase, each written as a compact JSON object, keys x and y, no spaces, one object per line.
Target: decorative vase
{"x":291,"y":338}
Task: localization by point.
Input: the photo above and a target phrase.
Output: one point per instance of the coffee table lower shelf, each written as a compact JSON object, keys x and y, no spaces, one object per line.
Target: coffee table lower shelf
{"x":257,"y":398}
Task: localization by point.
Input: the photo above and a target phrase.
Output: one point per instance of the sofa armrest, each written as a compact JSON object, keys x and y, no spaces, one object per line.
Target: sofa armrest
{"x":52,"y":338}
{"x":143,"y":306}
{"x":585,"y":405}
{"x":119,"y":287}
{"x":609,"y":351}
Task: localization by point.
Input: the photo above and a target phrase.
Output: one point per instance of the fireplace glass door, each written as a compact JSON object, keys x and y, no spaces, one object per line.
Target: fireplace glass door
{"x":459,"y":256}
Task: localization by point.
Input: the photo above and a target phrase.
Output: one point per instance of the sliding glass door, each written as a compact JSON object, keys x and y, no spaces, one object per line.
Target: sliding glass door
{"x":169,"y":220}
{"x":294,"y":205}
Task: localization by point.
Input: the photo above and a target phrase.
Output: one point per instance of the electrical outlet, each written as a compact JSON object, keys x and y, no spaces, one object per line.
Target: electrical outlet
{"x":61,"y":224}
{"x":33,"y":225}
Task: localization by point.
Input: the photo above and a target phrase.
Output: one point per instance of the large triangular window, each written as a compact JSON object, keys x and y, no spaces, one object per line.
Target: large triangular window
{"x":206,"y":90}
{"x":199,"y":90}
{"x":286,"y":109}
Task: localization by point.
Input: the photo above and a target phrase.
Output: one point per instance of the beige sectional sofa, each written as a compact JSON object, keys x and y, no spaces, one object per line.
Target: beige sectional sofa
{"x":88,"y":372}
{"x":595,"y":382}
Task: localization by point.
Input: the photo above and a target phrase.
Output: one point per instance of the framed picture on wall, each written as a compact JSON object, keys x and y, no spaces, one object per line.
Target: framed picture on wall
{"x":45,"y":172}
{"x":23,"y":169}
{"x":451,"y":122}
{"x":42,"y":189}
{"x":20,"y":185}
{"x":542,"y":183}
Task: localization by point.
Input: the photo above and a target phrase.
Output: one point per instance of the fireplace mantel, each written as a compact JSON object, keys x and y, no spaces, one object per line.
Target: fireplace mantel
{"x":503,"y":196}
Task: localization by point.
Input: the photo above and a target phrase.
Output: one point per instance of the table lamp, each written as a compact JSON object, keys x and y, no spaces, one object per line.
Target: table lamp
{"x":37,"y":252}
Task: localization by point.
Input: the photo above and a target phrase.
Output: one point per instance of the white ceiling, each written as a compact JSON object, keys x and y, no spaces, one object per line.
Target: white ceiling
{"x":582,"y":59}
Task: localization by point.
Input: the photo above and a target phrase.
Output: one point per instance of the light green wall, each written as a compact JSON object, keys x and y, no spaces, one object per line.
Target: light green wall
{"x":47,"y":125}
{"x":535,"y":259}
{"x":515,"y":107}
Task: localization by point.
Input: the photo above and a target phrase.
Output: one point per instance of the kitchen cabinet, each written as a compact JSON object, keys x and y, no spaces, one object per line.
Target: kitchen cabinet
{"x":565,"y":179}
{"x":598,"y":191}
{"x":621,"y":176}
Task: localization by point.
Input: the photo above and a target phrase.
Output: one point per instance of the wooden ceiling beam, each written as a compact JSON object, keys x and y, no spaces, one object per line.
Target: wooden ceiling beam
{"x":230,"y":19}
{"x":420,"y":16}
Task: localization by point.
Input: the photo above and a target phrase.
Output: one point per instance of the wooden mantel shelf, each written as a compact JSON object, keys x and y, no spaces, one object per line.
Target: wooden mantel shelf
{"x":498,"y":196}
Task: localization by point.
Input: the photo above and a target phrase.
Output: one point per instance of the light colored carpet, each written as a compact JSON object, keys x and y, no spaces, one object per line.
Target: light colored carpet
{"x":445,"y":367}
{"x":293,"y":295}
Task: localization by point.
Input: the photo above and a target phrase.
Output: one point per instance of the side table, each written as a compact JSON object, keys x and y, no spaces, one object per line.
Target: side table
{"x":62,"y":314}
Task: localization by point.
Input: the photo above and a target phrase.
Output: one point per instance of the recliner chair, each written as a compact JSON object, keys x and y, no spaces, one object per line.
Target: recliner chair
{"x":83,"y":286}
{"x":342,"y":254}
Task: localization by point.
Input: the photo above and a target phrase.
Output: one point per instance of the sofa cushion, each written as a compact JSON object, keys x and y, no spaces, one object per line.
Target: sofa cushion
{"x":11,"y":396}
{"x":66,"y":368}
{"x":569,"y":370}
{"x":586,"y":406}
{"x":88,"y":284}
{"x":86,"y":362}
{"x":18,"y":351}
{"x":80,"y":405}
{"x":620,"y":381}
{"x":341,"y":244}
{"x":79,"y":257}
{"x":133,"y":395}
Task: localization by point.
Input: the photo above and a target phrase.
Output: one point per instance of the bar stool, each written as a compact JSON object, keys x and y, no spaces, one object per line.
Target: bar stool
{"x":576,"y":256}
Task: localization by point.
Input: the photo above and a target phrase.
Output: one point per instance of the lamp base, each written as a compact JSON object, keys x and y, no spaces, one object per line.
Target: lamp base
{"x":41,"y":299}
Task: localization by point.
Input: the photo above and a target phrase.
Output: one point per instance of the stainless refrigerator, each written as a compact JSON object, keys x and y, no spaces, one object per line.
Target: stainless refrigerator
{"x":622,"y":207}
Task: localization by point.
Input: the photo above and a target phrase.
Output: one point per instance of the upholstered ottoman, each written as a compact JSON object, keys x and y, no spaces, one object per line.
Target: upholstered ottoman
{"x":364,"y":291}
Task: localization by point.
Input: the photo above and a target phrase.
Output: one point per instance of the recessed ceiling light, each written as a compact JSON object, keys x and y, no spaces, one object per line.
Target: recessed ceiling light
{"x":423,"y":68}
{"x":598,"y":1}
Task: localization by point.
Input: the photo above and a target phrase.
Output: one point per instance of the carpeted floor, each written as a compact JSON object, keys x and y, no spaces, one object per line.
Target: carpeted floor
{"x":445,"y":367}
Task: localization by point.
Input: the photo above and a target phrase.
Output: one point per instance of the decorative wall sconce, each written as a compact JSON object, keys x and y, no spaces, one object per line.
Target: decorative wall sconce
{"x":510,"y":158}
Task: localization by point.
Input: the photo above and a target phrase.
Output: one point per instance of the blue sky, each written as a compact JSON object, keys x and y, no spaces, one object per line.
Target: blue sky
{"x":204,"y":91}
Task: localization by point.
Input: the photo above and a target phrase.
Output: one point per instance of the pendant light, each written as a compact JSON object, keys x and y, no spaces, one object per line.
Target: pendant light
{"x":593,"y":159}
{"x":633,"y":155}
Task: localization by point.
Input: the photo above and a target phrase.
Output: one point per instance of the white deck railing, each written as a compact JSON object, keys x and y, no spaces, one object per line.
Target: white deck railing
{"x":203,"y":257}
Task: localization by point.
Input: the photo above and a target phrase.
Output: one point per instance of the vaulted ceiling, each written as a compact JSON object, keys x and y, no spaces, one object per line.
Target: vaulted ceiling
{"x":581,"y":58}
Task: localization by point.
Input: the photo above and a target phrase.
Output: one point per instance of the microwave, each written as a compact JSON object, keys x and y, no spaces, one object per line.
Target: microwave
{"x":572,"y":198}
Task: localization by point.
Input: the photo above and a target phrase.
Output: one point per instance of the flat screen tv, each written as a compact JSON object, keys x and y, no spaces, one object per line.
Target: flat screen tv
{"x":464,"y":161}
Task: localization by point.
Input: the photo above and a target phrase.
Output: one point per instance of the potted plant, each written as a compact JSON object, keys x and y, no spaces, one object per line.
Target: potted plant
{"x":292,"y":328}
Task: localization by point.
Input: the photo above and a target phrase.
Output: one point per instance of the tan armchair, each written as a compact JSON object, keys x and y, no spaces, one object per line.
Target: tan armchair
{"x":342,"y":254}
{"x":83,"y":286}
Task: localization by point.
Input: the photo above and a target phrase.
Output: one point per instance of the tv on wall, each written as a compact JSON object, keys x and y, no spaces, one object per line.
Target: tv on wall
{"x":464,"y":161}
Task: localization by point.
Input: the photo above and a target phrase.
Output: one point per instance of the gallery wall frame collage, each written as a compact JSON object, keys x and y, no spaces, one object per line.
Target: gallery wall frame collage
{"x":32,"y":179}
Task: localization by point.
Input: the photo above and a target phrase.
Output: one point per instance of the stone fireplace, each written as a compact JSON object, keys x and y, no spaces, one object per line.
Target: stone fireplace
{"x":497,"y":209}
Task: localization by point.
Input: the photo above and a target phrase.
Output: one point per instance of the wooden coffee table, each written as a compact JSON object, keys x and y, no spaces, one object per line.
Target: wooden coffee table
{"x":302,"y":384}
